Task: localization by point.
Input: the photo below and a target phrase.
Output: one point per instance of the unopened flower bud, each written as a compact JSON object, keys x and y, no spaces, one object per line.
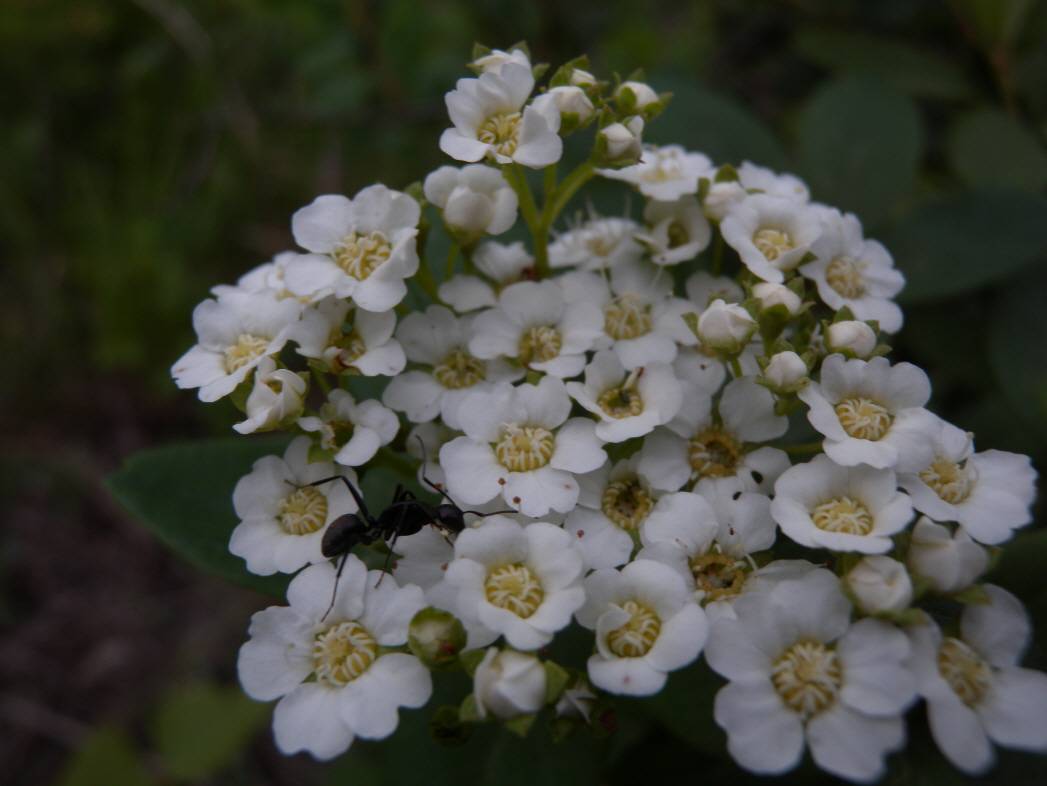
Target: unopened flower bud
{"x":475,"y":199}
{"x":948,"y":563}
{"x":880,"y":585}
{"x":436,"y":637}
{"x":621,"y":142}
{"x":771,"y":295}
{"x":582,"y":78}
{"x":571,"y":101}
{"x":277,"y":398}
{"x":725,"y":327}
{"x":642,"y":95}
{"x":852,"y":338}
{"x":496,"y":58}
{"x":508,"y":684}
{"x":786,"y":372}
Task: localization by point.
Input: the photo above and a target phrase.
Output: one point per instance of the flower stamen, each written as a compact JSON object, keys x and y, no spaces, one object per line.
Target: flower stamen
{"x":635,"y":638}
{"x":514,"y":588}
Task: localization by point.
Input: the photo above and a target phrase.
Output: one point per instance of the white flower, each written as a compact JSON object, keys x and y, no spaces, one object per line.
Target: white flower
{"x":821,"y":504}
{"x":725,"y":327}
{"x":702,"y":369}
{"x":582,"y":78}
{"x":496,"y":58}
{"x":628,"y":403}
{"x":267,"y":277}
{"x":422,"y":560}
{"x":777,"y":295}
{"x":490,"y":120}
{"x":622,"y":142}
{"x":709,"y":549}
{"x":724,"y":194}
{"x":570,"y":101}
{"x":855,"y":273}
{"x":677,"y":231}
{"x":871,"y":412}
{"x":438,"y":340}
{"x":786,"y":372}
{"x":348,"y":432}
{"x":613,"y":504}
{"x":696,"y":445}
{"x":879,"y":585}
{"x":276,"y":398}
{"x":850,"y":337}
{"x":283,"y":518}
{"x":519,"y":582}
{"x":363,"y":248}
{"x":333,"y":676}
{"x":976,"y":692}
{"x":360,"y":341}
{"x":647,"y":624}
{"x":520,"y":443}
{"x":233,"y":336}
{"x":598,"y":244}
{"x":947,"y":562}
{"x":702,"y":289}
{"x":770,"y":234}
{"x":500,"y":262}
{"x":801,"y":675}
{"x":533,"y":324}
{"x":508,"y":684}
{"x":640,"y":94}
{"x":475,"y":200}
{"x":665,"y":173}
{"x":989,"y":493}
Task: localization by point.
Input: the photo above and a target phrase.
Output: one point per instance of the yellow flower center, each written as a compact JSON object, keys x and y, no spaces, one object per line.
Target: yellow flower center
{"x":342,"y":653}
{"x":459,"y":370}
{"x":714,"y":453}
{"x":843,"y":514}
{"x":808,"y":677}
{"x":539,"y":344}
{"x":247,"y":348}
{"x":844,"y":275}
{"x":359,"y":255}
{"x":627,"y":317}
{"x":514,"y":588}
{"x":678,"y":235}
{"x":635,"y":638}
{"x":718,"y":576}
{"x":627,"y":503}
{"x":863,"y":418}
{"x":623,"y":401}
{"x":965,"y":671}
{"x":501,"y":131}
{"x":951,"y":481}
{"x":772,"y":243}
{"x":524,"y":448}
{"x":303,"y":511}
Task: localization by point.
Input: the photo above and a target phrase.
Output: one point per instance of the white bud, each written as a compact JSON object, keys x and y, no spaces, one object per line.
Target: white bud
{"x":278,"y":397}
{"x":508,"y":684}
{"x":571,"y":100}
{"x":582,"y":78}
{"x":786,"y":371}
{"x":643,"y":92}
{"x":771,"y":295}
{"x":623,"y":140}
{"x":880,"y":584}
{"x":948,"y":563}
{"x":496,"y":58}
{"x":851,"y":337}
{"x":475,"y":199}
{"x":725,"y":327}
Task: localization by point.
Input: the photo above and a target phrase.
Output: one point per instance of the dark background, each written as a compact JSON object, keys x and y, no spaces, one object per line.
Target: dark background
{"x":150,"y":149}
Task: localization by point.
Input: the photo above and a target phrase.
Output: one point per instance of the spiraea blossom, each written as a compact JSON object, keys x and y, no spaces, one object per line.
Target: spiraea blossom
{"x":605,"y":447}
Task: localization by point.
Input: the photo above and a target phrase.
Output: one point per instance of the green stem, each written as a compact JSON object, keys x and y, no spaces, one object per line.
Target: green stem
{"x":567,"y":189}
{"x":549,"y":182}
{"x":803,"y":448}
{"x":452,"y":255}
{"x":736,"y":367}
{"x":718,"y":254}
{"x":321,"y":380}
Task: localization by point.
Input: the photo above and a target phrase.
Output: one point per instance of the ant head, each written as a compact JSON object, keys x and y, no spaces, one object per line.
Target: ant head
{"x":450,"y":517}
{"x":343,"y":533}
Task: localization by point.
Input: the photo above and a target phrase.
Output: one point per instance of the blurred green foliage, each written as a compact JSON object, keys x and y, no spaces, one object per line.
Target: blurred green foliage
{"x":151,"y":149}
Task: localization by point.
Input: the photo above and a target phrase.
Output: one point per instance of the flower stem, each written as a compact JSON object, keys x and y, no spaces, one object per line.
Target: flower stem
{"x":718,"y":254}
{"x":452,"y":256}
{"x":803,"y":448}
{"x":736,"y":367}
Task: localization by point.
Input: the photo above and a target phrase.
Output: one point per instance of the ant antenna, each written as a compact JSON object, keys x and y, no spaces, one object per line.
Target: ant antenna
{"x":439,"y":489}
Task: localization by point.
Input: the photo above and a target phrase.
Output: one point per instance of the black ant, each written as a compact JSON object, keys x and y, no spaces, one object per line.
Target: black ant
{"x":405,"y":515}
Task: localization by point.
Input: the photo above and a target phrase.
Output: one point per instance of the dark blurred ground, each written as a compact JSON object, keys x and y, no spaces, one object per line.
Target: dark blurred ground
{"x":150,"y":149}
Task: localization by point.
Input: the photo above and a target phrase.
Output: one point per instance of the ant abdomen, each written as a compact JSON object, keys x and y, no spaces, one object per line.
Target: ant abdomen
{"x":343,"y":534}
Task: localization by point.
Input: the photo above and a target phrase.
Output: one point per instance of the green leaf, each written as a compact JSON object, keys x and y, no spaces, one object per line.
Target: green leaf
{"x":106,"y":757}
{"x":1018,"y":348}
{"x":685,"y":707}
{"x":200,"y":729}
{"x":184,"y":494}
{"x":994,"y":21}
{"x":987,"y":147}
{"x":702,"y":120}
{"x":906,"y":67}
{"x":859,"y":144}
{"x":966,"y":241}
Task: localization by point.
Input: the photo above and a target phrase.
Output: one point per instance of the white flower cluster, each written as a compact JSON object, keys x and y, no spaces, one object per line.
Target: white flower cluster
{"x":612,"y":433}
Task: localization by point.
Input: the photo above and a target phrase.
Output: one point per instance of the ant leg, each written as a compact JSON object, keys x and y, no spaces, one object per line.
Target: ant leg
{"x":438,"y":489}
{"x":334,"y":590}
{"x":352,"y":490}
{"x":492,"y":513}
